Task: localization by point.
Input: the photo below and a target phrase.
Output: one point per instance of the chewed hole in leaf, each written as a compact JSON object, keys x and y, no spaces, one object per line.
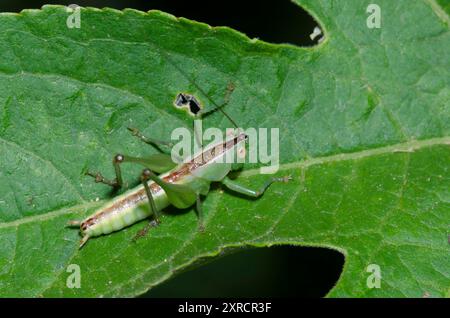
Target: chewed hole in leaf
{"x":278,"y":271}
{"x":194,"y":107}
{"x":188,"y":102}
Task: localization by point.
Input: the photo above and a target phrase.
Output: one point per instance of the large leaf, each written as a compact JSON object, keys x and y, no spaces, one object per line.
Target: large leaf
{"x":364,"y":124}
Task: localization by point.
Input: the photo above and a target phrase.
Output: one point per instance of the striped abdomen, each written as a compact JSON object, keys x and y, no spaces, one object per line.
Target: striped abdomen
{"x":125,"y":210}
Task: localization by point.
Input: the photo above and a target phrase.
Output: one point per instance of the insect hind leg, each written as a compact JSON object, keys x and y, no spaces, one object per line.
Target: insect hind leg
{"x":116,"y":183}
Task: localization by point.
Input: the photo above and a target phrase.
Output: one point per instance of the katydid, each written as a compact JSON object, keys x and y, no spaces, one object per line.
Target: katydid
{"x":179,"y":185}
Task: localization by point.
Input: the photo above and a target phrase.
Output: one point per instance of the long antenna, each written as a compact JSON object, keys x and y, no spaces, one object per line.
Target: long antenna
{"x":217,"y":107}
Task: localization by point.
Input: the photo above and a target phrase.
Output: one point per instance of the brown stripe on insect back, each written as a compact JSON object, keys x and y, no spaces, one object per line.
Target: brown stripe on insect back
{"x":205,"y":157}
{"x":212,"y":153}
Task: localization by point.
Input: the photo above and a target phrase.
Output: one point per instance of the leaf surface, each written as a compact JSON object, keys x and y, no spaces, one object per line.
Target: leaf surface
{"x":364,"y":122}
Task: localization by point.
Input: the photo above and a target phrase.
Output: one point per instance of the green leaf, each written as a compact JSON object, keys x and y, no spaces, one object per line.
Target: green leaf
{"x":364,"y":123}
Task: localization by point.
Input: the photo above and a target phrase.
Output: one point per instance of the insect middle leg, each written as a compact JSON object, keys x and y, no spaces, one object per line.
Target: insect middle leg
{"x":145,"y":176}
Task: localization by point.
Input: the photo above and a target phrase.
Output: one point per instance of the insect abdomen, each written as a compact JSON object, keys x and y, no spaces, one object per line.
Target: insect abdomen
{"x":124,"y":211}
{"x":118,"y":221}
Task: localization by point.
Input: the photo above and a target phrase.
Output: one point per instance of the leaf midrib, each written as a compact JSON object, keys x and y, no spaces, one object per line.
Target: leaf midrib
{"x":409,"y":146}
{"x":439,"y":12}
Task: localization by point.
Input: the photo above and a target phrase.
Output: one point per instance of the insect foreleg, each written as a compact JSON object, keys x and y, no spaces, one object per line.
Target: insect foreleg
{"x":232,"y":185}
{"x":226,"y":100}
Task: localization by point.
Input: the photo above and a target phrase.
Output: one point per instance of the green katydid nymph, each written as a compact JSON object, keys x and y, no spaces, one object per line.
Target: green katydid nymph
{"x":180,"y":185}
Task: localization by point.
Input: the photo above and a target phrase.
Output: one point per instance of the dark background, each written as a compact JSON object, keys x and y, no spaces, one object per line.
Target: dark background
{"x":283,"y":271}
{"x":277,"y":21}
